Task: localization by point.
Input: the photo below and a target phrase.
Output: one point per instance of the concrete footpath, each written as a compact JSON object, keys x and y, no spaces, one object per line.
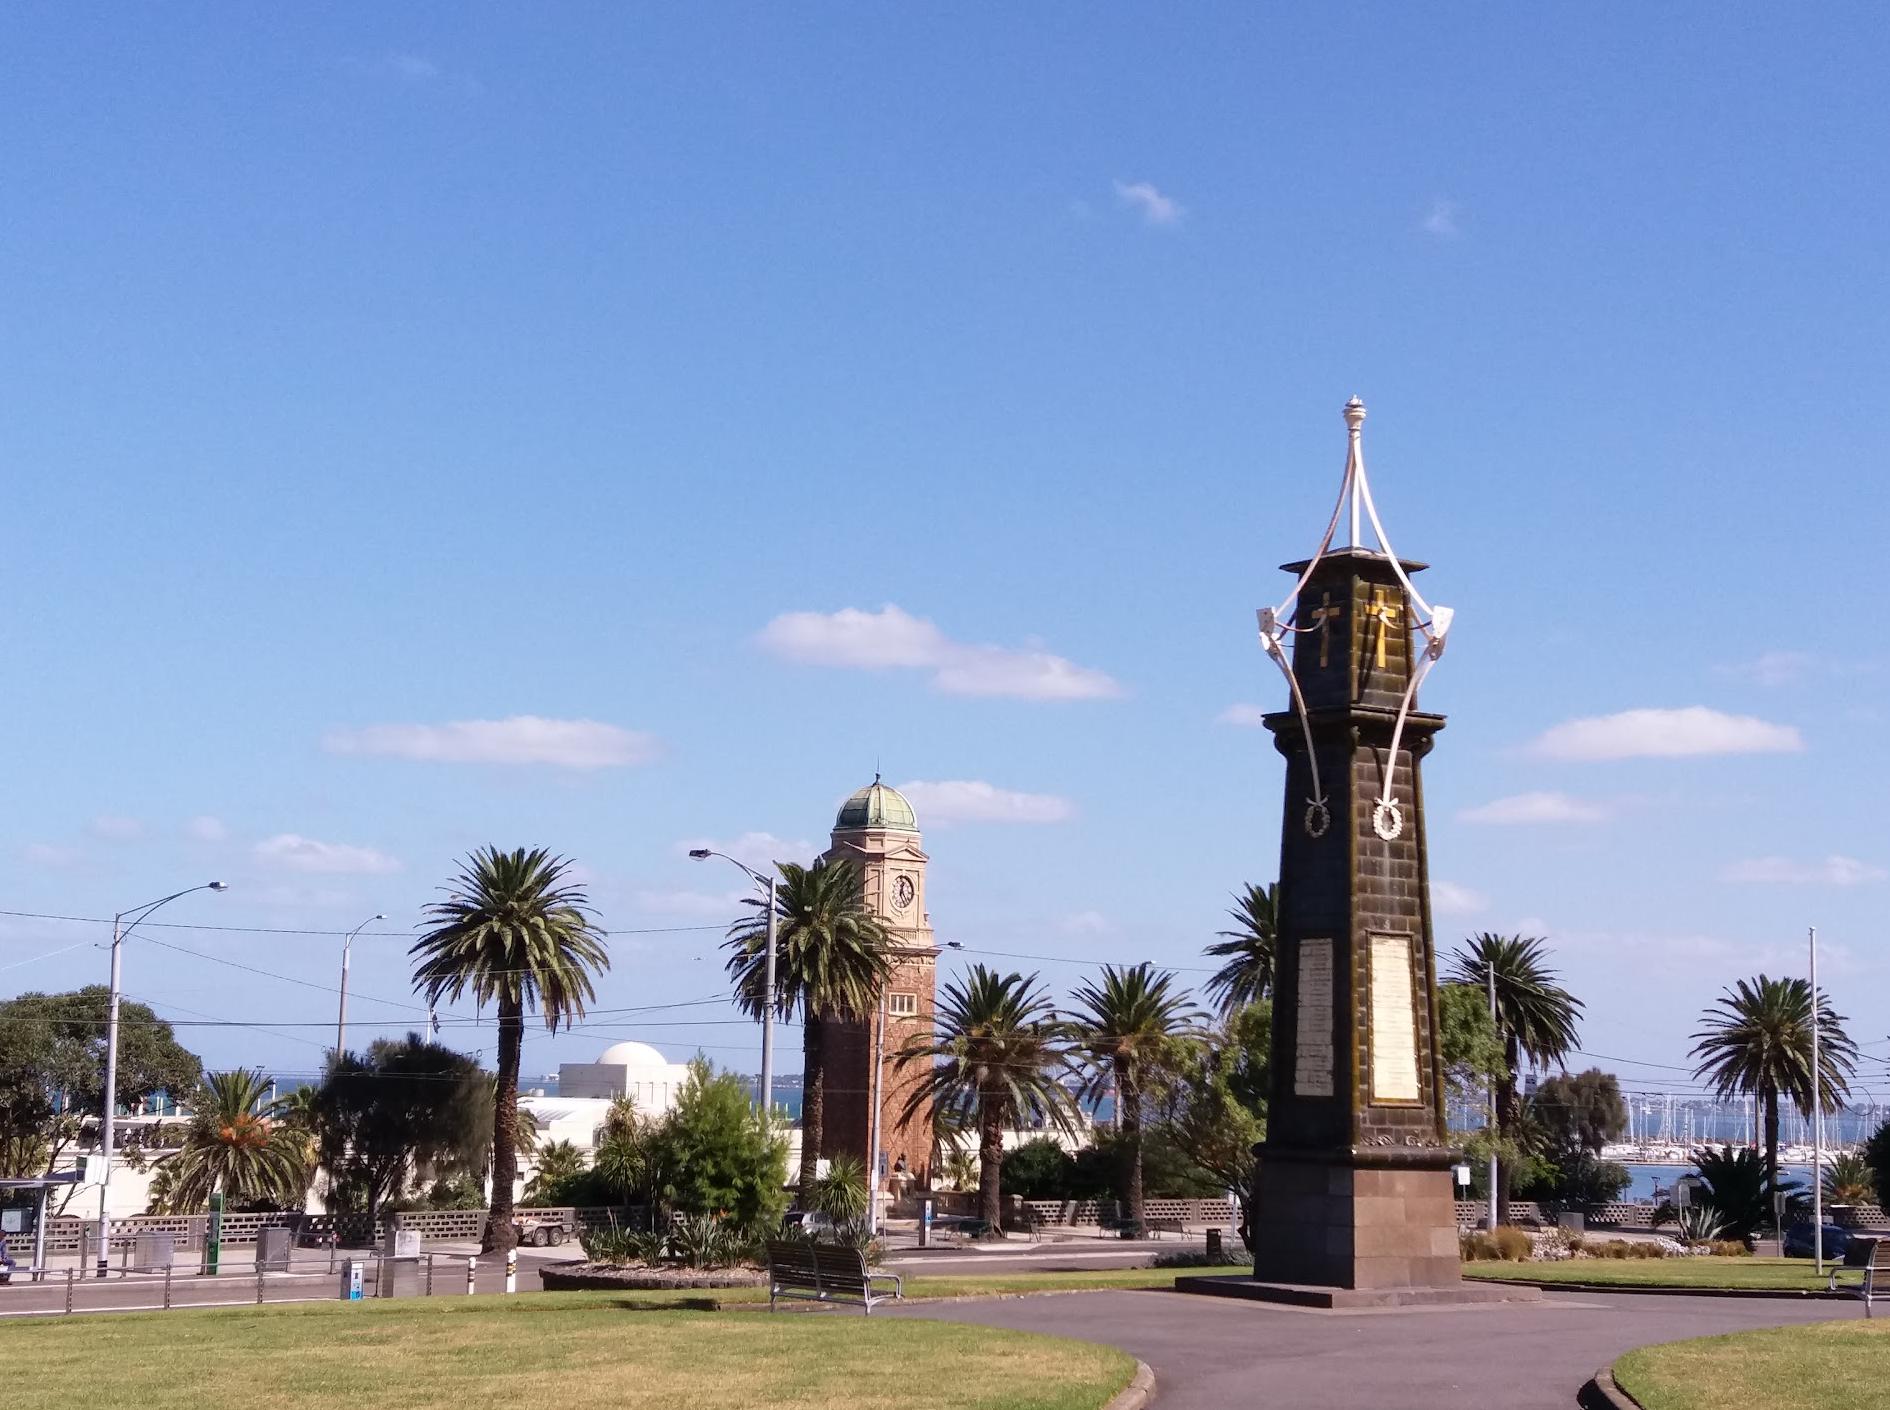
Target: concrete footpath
{"x":1208,"y":1354}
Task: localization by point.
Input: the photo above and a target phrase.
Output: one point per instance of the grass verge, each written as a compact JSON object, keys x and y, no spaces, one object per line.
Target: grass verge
{"x":1777,"y":1273}
{"x":1827,"y":1366}
{"x":575,"y":1351}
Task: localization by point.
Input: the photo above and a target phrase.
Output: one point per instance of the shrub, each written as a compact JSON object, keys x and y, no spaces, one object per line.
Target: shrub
{"x":840,"y":1194}
{"x":717,"y":1155}
{"x":1039,"y":1169}
{"x":1700,"y":1224}
{"x":1188,"y":1258}
{"x":1476,"y":1247}
{"x":1512,"y":1244}
{"x":1848,"y":1179}
{"x":610,"y":1245}
{"x":1877,"y":1157}
{"x":1729,"y":1248}
{"x":704,"y":1241}
{"x":1738,"y":1190}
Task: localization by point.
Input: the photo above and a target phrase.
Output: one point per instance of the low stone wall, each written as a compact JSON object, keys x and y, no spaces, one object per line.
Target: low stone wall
{"x":1621,"y":1214}
{"x":67,"y":1233}
{"x":1213,"y":1213}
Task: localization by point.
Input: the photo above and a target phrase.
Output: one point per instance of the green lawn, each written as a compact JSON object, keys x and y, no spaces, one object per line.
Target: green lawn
{"x":573,"y":1351}
{"x":1665,"y":1272}
{"x":1830,"y":1366}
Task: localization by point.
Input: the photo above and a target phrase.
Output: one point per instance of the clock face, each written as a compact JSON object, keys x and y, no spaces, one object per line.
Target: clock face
{"x":902,"y":893}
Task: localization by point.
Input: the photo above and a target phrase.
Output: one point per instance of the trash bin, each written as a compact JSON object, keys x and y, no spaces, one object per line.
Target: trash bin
{"x":272,"y":1249}
{"x":351,"y":1280}
{"x":1214,"y":1244}
{"x":153,"y":1253}
{"x":1571,"y":1220}
{"x":401,"y":1243}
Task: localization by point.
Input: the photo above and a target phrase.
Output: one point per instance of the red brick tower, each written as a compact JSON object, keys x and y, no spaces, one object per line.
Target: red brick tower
{"x":877,"y":829}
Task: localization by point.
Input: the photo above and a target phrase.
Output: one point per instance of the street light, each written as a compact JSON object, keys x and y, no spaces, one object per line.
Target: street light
{"x":702,"y":854}
{"x":341,"y":1014}
{"x":119,"y":931}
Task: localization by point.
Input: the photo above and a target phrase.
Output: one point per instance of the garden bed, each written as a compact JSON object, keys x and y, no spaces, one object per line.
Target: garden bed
{"x":604,"y":1277}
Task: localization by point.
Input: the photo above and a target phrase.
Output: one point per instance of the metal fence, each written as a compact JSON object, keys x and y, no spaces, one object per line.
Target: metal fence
{"x":323,"y":1277}
{"x":68,"y":1234}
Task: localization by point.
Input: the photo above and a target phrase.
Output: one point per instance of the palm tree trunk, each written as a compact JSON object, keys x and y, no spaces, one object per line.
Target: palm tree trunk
{"x":1771,"y":1147}
{"x":500,"y":1235}
{"x":990,"y":1166}
{"x":813,"y":1104}
{"x":1131,"y":1109}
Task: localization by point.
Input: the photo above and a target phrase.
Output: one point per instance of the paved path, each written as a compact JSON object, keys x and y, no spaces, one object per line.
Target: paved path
{"x":1210,"y":1354}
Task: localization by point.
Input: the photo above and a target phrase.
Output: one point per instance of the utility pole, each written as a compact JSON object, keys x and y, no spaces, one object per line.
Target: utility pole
{"x":1817,"y":1123}
{"x":1493,"y":1114}
{"x":341,"y":1013}
{"x":767,"y":1018}
{"x":872,"y":1152}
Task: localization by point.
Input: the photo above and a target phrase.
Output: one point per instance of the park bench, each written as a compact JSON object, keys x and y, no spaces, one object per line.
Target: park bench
{"x":1871,"y":1255}
{"x":825,"y":1273}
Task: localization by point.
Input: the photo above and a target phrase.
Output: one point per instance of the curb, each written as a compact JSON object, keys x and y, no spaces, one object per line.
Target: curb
{"x":1601,"y":1393}
{"x":1664,"y":1290}
{"x":1138,"y":1392}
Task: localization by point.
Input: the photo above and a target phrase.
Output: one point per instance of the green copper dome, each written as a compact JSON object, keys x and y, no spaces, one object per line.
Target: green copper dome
{"x":876,"y":805}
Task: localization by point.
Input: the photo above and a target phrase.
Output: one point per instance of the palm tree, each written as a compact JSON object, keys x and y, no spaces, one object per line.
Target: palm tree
{"x":1535,"y":1018}
{"x":1126,"y":1025}
{"x":515,"y":933}
{"x":1756,"y":1038}
{"x":232,"y":1148}
{"x":1249,"y":950}
{"x":831,"y":960}
{"x":557,"y":1162}
{"x":997,"y":1054}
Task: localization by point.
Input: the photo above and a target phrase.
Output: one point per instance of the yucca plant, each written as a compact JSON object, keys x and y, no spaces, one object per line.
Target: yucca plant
{"x":1848,"y":1179}
{"x":1700,"y":1224}
{"x":840,"y":1194}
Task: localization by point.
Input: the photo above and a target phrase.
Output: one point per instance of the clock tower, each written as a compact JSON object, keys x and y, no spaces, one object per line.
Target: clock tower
{"x":877,"y":830}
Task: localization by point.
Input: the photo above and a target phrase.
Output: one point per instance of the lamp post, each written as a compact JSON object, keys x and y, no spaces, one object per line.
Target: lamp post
{"x":702,"y":854}
{"x":106,"y":1132}
{"x":1817,"y":1123}
{"x":341,"y":1014}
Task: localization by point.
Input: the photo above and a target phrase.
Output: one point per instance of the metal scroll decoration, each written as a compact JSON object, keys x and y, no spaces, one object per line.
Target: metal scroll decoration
{"x":1354,"y":490}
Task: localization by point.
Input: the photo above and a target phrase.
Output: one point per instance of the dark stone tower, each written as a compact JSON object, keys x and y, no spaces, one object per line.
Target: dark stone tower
{"x":1355,"y":1188}
{"x":1355,"y":1204}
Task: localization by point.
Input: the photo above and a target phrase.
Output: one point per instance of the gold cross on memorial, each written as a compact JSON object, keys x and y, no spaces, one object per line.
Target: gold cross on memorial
{"x":1383,"y":610}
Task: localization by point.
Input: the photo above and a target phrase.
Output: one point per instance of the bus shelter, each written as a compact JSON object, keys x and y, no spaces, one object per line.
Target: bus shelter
{"x":41,"y":1188}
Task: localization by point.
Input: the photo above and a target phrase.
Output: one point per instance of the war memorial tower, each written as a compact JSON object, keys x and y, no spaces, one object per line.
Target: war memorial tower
{"x":1355,"y":1205}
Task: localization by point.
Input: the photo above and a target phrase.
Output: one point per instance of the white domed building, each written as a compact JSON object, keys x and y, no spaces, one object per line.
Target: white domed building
{"x":586,"y":1090}
{"x":634,"y":1070}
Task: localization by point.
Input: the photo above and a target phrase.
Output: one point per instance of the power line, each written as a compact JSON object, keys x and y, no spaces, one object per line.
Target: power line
{"x":287,"y":930}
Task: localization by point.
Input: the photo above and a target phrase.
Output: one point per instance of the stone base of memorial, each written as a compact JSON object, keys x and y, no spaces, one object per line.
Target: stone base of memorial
{"x":610,"y":1277}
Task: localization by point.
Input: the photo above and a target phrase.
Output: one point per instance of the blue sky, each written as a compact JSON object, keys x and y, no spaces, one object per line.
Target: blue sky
{"x":372,"y":373}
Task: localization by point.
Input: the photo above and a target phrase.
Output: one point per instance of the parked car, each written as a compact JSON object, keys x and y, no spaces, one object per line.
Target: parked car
{"x":809,"y":1223}
{"x":1797,"y":1241}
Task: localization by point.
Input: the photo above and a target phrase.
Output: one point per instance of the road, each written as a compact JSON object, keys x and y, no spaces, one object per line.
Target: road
{"x":1210,"y":1354}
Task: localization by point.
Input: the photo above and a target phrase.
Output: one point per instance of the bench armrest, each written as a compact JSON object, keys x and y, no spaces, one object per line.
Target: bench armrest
{"x":899,"y":1285}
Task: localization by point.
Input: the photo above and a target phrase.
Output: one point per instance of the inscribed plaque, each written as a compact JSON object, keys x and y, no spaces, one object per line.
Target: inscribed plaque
{"x":1394,"y":1021}
{"x":1312,"y":1041}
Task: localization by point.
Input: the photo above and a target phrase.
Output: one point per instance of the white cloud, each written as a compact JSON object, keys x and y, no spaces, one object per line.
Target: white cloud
{"x":1665,"y":734}
{"x":1154,"y":207}
{"x":292,"y":852}
{"x":975,"y":801}
{"x":894,"y":639}
{"x":699,"y":905}
{"x":1246,"y":716}
{"x":760,"y":850}
{"x":1450,"y":899}
{"x":1535,"y":808}
{"x":46,"y":854}
{"x":1832,"y":871}
{"x":206,"y":829}
{"x":109,"y":828}
{"x":518,"y":739}
{"x":1441,"y":219}
{"x":1086,"y":923}
{"x":1772,"y":668}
